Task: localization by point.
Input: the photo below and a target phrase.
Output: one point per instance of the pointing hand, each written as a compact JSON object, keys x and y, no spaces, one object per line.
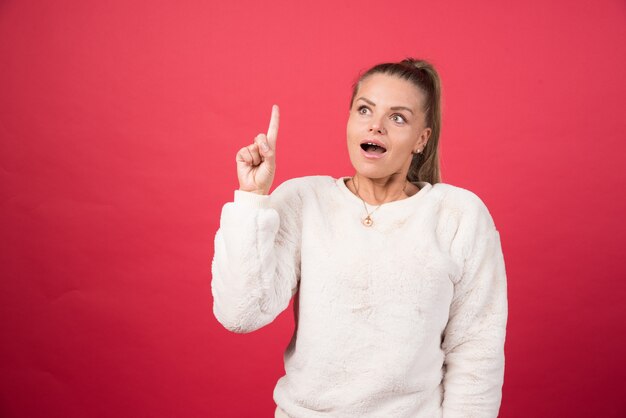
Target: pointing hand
{"x":256,"y":163}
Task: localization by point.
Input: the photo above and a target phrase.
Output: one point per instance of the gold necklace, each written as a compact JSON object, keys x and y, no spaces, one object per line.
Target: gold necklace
{"x":367,"y":220}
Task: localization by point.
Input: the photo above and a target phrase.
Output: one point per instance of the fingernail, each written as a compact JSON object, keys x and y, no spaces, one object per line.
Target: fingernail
{"x":264,"y":147}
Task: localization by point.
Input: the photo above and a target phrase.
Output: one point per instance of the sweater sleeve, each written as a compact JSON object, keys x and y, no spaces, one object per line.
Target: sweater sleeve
{"x":473,"y":340}
{"x":256,"y":265}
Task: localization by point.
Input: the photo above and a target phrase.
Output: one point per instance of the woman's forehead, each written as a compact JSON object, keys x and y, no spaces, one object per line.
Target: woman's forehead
{"x":388,"y":90}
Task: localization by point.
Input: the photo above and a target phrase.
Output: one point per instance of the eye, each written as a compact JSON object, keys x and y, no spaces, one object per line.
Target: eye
{"x":398,"y":118}
{"x":363,"y":110}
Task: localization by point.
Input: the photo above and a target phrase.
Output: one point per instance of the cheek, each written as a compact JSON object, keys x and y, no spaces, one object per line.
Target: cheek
{"x":405,"y":143}
{"x":410,"y":137}
{"x":351,"y":127}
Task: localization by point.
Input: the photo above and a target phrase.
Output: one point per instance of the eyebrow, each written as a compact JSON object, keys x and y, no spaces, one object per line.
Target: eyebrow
{"x":371,"y":103}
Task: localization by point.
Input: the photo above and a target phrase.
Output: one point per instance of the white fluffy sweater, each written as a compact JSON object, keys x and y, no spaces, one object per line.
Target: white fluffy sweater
{"x":405,"y":318}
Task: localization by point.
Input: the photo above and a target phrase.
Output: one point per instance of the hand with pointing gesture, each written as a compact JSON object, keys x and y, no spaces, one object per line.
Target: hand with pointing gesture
{"x":256,"y":163}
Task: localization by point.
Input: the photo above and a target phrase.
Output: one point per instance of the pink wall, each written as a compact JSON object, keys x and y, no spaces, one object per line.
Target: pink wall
{"x":119,"y":125}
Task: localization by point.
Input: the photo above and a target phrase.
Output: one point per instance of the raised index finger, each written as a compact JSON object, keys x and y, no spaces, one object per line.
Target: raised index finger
{"x":272,"y":131}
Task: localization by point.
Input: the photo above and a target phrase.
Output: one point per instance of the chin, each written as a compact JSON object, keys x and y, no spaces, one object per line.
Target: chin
{"x":376,"y":172}
{"x":368,"y":171}
{"x":374,"y":169}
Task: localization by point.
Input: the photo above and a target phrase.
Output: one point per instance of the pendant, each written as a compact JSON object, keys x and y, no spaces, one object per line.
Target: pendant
{"x":367,"y":221}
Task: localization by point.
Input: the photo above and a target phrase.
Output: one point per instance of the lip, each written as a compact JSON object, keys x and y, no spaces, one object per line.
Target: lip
{"x":373,"y":141}
{"x":370,"y":155}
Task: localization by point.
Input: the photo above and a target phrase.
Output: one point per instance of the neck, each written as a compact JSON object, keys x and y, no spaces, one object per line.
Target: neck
{"x":381,"y":190}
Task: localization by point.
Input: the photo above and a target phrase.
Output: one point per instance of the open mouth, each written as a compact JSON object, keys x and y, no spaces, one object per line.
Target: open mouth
{"x":372,"y":148}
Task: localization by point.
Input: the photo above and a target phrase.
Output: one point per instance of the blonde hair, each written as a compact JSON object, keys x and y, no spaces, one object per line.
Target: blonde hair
{"x":424,"y":166}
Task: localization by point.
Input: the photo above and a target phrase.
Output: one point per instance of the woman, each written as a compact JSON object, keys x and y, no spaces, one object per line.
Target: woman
{"x":401,"y":302}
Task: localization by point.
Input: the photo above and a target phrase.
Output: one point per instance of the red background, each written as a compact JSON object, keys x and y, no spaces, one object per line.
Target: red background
{"x":119,"y":124}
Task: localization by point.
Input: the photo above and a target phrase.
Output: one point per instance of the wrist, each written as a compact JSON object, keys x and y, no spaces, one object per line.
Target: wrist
{"x":251,"y":198}
{"x":256,"y":191}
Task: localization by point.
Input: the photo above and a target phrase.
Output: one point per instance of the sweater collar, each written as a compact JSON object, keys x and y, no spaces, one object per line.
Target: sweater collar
{"x":424,"y":188}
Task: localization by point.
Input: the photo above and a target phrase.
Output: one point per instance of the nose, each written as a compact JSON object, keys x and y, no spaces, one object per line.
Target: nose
{"x":377,"y":126}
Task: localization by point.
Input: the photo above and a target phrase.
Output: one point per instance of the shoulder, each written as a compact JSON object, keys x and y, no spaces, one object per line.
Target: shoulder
{"x":308,"y":181}
{"x":303,"y":185}
{"x":466,"y":215}
{"x":459,"y":200}
{"x":298,"y":188}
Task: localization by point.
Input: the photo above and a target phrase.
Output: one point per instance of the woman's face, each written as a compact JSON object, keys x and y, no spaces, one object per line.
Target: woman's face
{"x":385,"y":126}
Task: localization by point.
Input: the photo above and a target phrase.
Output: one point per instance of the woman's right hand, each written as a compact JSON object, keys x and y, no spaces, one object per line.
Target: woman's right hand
{"x":256,"y":163}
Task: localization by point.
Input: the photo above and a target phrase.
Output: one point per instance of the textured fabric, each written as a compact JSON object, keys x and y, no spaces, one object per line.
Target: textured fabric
{"x":405,"y":318}
{"x":279,"y":413}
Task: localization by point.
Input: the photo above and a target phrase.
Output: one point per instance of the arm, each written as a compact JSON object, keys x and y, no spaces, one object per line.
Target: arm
{"x":256,"y":266}
{"x":474,"y":337}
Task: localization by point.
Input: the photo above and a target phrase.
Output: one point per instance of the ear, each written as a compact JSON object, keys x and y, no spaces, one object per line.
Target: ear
{"x":422,"y":140}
